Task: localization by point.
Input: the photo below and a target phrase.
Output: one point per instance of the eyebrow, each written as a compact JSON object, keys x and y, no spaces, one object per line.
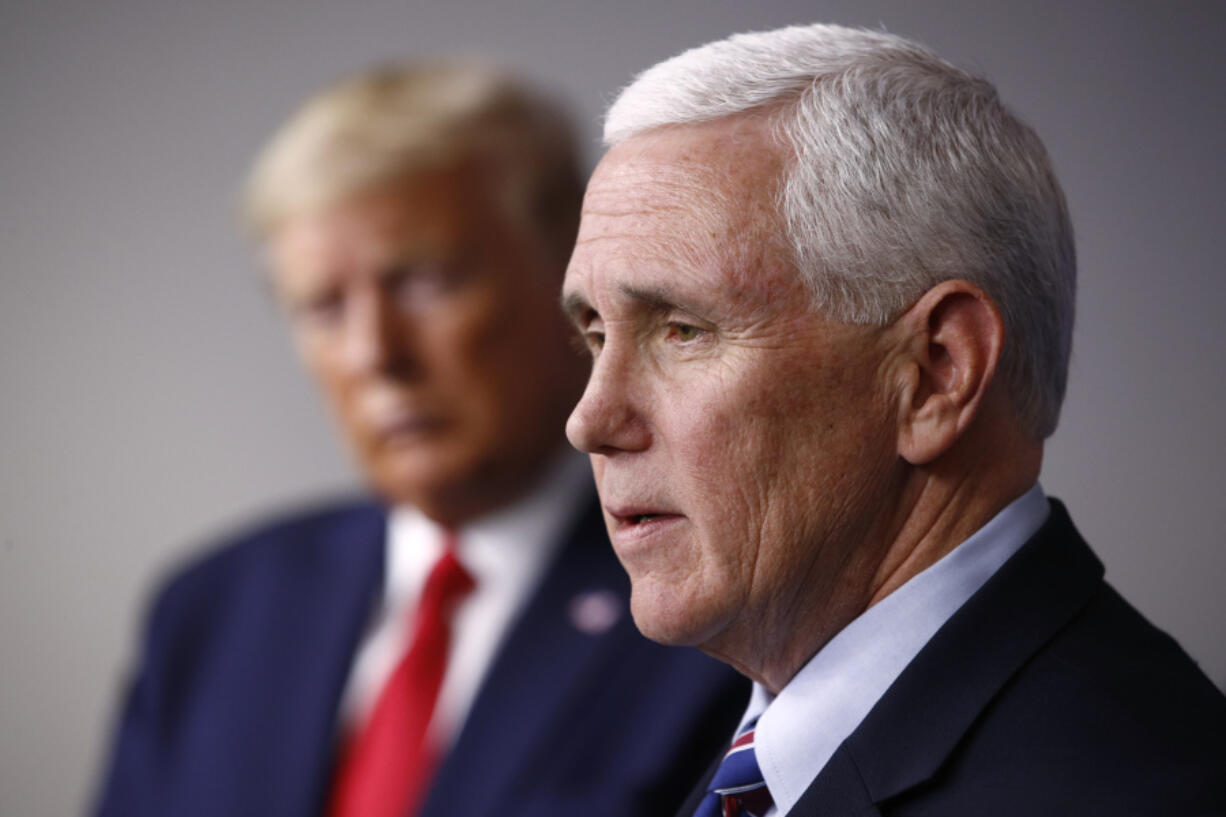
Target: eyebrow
{"x":573,"y":305}
{"x":655,"y":299}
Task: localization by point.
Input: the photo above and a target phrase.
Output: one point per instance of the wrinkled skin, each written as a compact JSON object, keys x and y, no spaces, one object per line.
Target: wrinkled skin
{"x":743,"y":444}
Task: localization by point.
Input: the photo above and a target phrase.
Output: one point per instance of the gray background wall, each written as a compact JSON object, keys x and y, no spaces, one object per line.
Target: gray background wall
{"x":148,"y":397}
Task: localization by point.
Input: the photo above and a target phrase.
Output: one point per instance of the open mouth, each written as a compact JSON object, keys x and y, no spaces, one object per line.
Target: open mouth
{"x":628,"y":524}
{"x":628,"y":516}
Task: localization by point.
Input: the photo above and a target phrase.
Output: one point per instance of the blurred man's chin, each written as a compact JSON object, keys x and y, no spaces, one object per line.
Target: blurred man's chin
{"x":415,"y":479}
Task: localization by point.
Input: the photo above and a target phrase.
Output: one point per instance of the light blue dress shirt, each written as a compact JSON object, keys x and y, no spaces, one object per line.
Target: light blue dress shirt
{"x":800,"y":728}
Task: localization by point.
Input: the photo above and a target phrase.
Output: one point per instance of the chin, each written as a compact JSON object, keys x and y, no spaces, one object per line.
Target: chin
{"x":400,"y":483}
{"x":667,"y":616}
{"x":419,"y":471}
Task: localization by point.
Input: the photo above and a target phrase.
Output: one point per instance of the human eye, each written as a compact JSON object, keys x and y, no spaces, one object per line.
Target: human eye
{"x":589,"y":333}
{"x":684,"y":333}
{"x":420,"y":282}
{"x":319,"y":310}
{"x":591,"y":339}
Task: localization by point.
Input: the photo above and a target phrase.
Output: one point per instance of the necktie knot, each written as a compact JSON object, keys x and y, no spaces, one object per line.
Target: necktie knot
{"x":737,"y":789}
{"x":448,"y":583}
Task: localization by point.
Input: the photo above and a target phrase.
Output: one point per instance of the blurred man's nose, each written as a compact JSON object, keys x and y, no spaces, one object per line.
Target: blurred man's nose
{"x":374,"y":340}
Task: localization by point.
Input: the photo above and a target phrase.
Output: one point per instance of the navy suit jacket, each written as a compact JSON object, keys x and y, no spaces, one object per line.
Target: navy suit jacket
{"x":234,"y":709}
{"x":1046,"y":694}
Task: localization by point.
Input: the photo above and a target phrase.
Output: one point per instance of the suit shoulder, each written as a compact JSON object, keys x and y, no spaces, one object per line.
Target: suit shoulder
{"x":265,"y":551}
{"x":1122,"y":662}
{"x":1112,"y":644}
{"x":1112,"y":715}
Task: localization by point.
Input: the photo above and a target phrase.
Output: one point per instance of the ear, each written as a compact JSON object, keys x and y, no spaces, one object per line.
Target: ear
{"x":952,"y":339}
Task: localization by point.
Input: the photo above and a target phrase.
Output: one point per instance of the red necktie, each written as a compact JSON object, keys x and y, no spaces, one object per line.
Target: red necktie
{"x":388,"y":765}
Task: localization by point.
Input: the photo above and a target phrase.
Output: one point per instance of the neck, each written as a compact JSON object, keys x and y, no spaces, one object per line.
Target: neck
{"x":936,"y":507}
{"x":945,"y":510}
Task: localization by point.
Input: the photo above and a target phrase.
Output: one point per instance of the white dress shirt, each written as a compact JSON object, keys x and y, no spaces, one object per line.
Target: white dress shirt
{"x":800,"y":729}
{"x":506,"y":552}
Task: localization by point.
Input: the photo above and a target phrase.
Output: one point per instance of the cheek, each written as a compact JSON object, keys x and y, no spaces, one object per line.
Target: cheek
{"x":329,"y":376}
{"x":728,"y":434}
{"x":495,"y":332}
{"x":755,"y":456}
{"x":462,"y":354}
{"x":716,"y":453}
{"x":467,"y":327}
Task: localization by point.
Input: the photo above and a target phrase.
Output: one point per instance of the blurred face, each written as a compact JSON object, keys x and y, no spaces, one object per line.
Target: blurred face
{"x":430,"y":321}
{"x":741,"y":442}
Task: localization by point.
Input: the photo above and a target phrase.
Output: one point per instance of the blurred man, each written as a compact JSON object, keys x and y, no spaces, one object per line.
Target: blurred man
{"x":827,"y":282}
{"x":458,"y":648}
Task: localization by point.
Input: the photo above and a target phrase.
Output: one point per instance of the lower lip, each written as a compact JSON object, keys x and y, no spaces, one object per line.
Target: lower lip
{"x":410,"y":430}
{"x":630,"y":534}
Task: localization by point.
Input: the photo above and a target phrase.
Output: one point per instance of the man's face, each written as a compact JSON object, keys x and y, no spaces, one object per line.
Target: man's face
{"x":430,"y":320}
{"x":741,"y":442}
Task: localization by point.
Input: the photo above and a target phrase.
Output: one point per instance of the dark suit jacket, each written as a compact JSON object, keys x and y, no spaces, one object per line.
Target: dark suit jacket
{"x":234,"y":709}
{"x":1046,"y":694}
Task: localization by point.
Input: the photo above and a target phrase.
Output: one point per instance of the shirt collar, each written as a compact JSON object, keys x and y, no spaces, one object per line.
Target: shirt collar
{"x":800,"y":729}
{"x":510,"y":546}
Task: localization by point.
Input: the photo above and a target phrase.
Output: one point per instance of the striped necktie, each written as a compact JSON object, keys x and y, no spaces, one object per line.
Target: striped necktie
{"x":737,"y":789}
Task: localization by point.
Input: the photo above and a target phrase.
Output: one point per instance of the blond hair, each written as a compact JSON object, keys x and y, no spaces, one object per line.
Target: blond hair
{"x":386,"y":125}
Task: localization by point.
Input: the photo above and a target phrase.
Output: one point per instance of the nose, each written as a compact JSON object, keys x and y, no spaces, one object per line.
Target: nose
{"x":609,"y":418}
{"x":373,"y":340}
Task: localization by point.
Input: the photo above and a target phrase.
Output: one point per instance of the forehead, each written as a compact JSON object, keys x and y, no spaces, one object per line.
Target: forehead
{"x":432,"y":201}
{"x":684,"y":204}
{"x":432,"y":215}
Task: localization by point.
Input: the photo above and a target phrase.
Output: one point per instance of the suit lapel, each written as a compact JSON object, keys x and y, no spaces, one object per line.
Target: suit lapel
{"x":700,"y":788}
{"x":913,"y":729}
{"x":324,"y":600}
{"x":543,"y":670}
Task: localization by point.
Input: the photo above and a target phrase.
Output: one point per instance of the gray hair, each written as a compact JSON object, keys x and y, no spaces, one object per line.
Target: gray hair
{"x":908,"y":171}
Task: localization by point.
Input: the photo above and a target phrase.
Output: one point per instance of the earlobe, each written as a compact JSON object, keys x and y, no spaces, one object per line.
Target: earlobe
{"x":954,"y":336}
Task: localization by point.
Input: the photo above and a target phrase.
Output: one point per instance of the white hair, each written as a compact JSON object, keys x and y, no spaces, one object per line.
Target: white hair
{"x":907,"y":171}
